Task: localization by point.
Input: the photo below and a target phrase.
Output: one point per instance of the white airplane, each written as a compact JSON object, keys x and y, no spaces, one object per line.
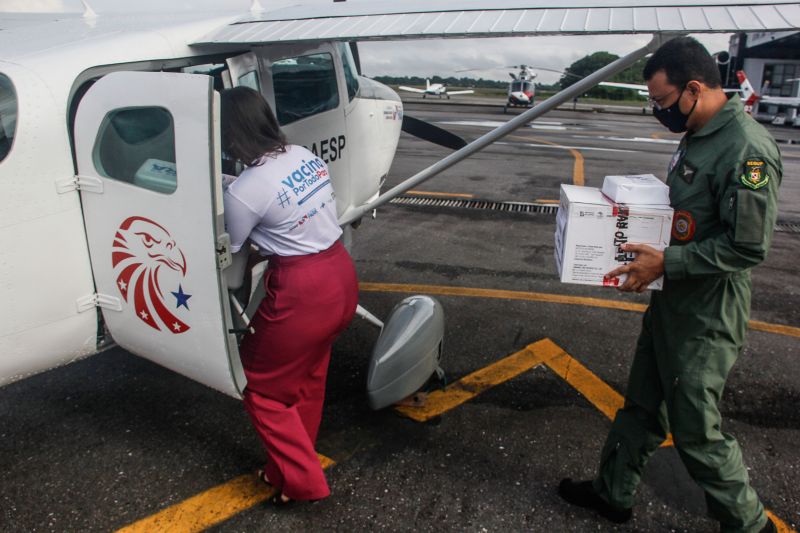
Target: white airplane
{"x":789,"y":103}
{"x":435,"y":89}
{"x":111,"y":221}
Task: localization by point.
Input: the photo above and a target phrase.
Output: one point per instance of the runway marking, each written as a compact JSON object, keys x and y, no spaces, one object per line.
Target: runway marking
{"x":656,"y":140}
{"x":492,"y":124}
{"x":598,"y":392}
{"x":780,"y":525}
{"x":444,"y":290}
{"x":567,"y":147}
{"x":546,"y":201}
{"x":577,"y":166}
{"x":468,"y":387}
{"x":210,"y":507}
{"x":546,"y":352}
{"x":447,"y":194}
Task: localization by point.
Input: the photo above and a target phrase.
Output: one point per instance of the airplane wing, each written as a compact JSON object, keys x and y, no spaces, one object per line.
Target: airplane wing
{"x":451,"y":93}
{"x":411,"y":89}
{"x":781,"y":100}
{"x":365,"y":20}
{"x":632,"y":86}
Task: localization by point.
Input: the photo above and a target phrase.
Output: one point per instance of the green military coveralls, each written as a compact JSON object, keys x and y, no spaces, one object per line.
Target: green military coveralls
{"x":723,"y":182}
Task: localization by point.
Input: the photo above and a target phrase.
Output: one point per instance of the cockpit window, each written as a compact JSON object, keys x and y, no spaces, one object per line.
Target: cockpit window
{"x":520,"y":86}
{"x":304,"y":86}
{"x":137,"y":146}
{"x":8,"y":115}
{"x":349,"y":65}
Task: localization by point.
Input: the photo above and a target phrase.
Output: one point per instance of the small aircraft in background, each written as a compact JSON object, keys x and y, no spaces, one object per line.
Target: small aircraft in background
{"x":521,"y":90}
{"x":435,"y":89}
{"x":751,"y":98}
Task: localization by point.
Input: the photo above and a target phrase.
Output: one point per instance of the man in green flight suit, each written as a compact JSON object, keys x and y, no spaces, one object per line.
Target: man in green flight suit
{"x":723,"y":183}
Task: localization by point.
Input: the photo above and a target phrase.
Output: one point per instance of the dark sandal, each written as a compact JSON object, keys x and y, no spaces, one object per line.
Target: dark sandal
{"x":277,"y":500}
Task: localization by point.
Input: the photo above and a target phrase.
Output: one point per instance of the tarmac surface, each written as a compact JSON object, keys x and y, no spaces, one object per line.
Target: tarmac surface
{"x":105,"y":442}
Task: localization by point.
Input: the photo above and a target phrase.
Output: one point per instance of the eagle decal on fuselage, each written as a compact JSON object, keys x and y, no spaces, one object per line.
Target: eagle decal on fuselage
{"x":141,"y":248}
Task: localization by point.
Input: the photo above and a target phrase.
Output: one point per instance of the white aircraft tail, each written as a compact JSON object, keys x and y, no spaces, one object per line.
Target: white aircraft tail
{"x":749,"y":94}
{"x":427,"y":83}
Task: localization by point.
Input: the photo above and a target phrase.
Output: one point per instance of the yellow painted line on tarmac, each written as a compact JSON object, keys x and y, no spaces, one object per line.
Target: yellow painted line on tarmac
{"x":602,"y":396}
{"x":444,"y":290}
{"x":780,"y":329}
{"x":468,"y":387}
{"x":780,"y":525}
{"x":546,"y":201}
{"x":210,"y":507}
{"x":446,"y":194}
{"x":577,"y":166}
{"x":598,"y":392}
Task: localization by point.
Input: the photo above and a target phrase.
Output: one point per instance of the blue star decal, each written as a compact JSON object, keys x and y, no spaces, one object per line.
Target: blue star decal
{"x":181,"y":298}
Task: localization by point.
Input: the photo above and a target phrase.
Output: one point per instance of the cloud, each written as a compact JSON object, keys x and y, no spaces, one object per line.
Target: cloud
{"x":442,"y":57}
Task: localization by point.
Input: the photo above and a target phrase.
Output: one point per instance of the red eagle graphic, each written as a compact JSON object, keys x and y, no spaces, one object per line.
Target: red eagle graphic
{"x":141,"y":247}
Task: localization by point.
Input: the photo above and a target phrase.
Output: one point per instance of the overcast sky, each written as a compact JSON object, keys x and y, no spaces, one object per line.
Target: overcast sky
{"x":444,"y":57}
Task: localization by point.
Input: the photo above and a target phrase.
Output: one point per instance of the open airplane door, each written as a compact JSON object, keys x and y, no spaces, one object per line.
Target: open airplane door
{"x":148,"y":156}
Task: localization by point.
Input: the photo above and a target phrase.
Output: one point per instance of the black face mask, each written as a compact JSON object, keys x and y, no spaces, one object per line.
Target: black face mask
{"x":671,"y":116}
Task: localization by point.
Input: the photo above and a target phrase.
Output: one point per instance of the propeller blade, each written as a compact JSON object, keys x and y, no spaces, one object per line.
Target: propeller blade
{"x":428,"y":132}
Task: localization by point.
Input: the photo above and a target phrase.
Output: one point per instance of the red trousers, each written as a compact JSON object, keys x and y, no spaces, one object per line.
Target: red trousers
{"x":310,"y":299}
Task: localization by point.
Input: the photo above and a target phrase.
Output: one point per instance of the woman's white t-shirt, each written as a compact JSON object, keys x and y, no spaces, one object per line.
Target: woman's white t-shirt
{"x":285,"y":206}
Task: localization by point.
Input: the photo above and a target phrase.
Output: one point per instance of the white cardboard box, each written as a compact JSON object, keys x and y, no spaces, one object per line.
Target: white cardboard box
{"x":639,"y":189}
{"x":590,"y":230}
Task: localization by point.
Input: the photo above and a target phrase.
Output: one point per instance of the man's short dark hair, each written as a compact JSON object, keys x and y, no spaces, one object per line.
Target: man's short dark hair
{"x":683,"y":59}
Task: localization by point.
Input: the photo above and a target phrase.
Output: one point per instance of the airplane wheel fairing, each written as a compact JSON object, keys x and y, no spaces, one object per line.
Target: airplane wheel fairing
{"x":408,"y":351}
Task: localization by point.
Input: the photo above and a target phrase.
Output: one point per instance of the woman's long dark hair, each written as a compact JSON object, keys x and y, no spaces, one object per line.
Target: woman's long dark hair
{"x":249,"y":127}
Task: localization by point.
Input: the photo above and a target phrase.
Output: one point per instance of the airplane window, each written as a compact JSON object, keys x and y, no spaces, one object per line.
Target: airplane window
{"x":137,"y":146}
{"x":349,"y":70}
{"x":250,"y":80}
{"x":8,"y":115}
{"x":304,"y":86}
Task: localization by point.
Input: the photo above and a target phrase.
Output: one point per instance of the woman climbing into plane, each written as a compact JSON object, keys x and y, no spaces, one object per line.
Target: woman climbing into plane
{"x":284,"y":203}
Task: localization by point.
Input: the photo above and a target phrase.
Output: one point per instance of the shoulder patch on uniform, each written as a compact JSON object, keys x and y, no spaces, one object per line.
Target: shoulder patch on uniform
{"x":683,"y":225}
{"x":754,"y":173}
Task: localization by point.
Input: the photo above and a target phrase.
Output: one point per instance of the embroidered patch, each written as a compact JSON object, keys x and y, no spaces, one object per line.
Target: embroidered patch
{"x":683,"y":226}
{"x":754,"y":174}
{"x":687,"y":172}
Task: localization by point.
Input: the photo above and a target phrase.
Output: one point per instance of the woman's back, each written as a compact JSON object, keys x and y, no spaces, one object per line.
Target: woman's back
{"x":289,"y":203}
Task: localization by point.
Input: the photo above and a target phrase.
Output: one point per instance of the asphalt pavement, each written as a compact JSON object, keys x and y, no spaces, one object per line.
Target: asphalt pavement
{"x":105,"y":442}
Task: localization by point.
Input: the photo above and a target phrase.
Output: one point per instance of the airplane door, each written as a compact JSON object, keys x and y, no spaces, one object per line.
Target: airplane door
{"x":148,"y":156}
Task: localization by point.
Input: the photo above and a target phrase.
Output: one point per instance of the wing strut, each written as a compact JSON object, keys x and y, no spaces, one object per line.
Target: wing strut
{"x":498,"y":133}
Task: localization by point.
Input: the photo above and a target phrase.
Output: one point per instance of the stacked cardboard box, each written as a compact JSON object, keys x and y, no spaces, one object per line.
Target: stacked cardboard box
{"x":592,"y":226}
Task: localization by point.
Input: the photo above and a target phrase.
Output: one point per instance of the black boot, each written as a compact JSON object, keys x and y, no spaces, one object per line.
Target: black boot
{"x":582,"y":494}
{"x":769,"y":527}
